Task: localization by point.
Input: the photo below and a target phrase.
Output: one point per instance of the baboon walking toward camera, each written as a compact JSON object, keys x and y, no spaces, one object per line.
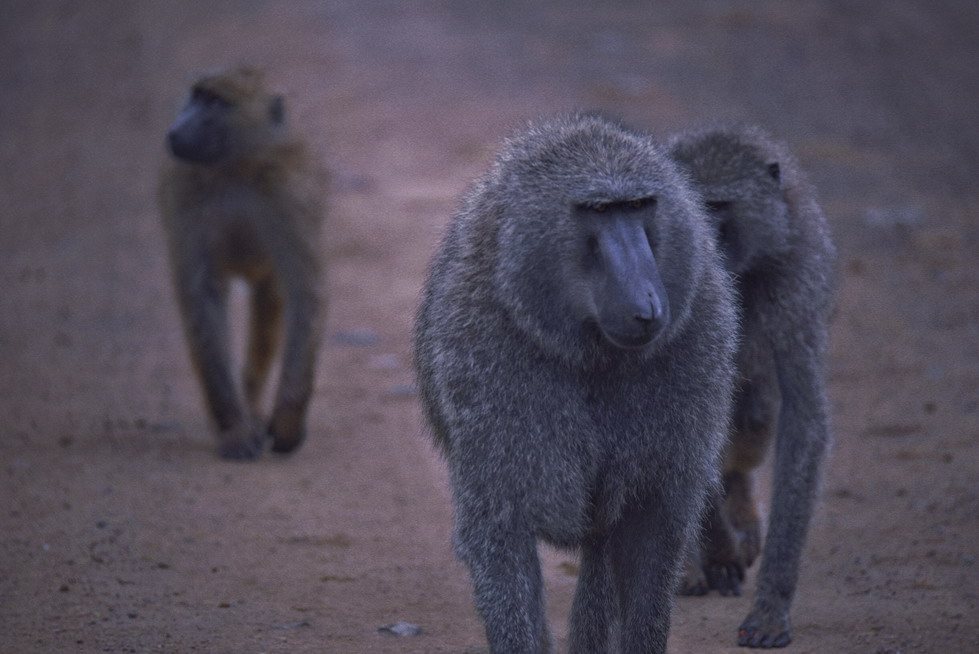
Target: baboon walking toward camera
{"x":575,"y":356}
{"x":241,"y":197}
{"x":776,"y":242}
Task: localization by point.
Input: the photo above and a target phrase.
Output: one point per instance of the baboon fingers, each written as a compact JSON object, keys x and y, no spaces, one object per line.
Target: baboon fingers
{"x":694,"y":581}
{"x":766,"y":626}
{"x":765,"y":633}
{"x":725,"y":577}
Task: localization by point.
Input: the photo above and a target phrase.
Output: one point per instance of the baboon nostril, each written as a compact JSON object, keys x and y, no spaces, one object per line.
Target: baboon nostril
{"x":652,"y":312}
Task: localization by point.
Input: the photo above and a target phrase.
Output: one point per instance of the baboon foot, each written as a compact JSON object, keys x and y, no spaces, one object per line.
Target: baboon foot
{"x":722,"y":561}
{"x":725,"y":576}
{"x":749,"y":541}
{"x":694,"y":581}
{"x":743,"y":516}
{"x":287,"y":430}
{"x":243,"y":442}
{"x":765,"y":629}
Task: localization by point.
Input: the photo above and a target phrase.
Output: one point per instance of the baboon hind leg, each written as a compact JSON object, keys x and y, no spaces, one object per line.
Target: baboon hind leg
{"x":757,"y":408}
{"x":203,"y":304}
{"x":288,"y":424}
{"x":264,"y":339}
{"x":714,"y":560}
{"x":731,"y":534}
{"x":724,"y":564}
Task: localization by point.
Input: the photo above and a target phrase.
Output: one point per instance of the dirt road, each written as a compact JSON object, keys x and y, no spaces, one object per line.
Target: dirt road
{"x":122,"y":532}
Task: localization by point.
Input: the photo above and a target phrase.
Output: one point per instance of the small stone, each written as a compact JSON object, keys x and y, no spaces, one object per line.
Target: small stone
{"x":294,"y":625}
{"x":400,"y":629}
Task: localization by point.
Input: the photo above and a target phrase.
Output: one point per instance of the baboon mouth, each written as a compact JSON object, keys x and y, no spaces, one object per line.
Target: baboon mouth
{"x":631,"y":340}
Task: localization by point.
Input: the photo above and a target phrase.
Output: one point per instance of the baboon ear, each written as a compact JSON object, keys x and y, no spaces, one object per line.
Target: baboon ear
{"x":277,"y":110}
{"x":775,"y":171}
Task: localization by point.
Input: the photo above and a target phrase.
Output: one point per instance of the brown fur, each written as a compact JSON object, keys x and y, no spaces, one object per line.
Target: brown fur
{"x":255,"y":213}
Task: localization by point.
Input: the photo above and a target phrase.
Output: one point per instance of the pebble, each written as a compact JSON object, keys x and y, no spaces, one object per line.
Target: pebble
{"x":400,"y":629}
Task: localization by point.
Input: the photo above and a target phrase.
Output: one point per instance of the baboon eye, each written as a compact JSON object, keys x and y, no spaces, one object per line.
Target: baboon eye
{"x":637,"y":204}
{"x":600,"y":208}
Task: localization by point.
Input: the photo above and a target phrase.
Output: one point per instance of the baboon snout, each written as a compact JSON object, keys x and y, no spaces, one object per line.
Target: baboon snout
{"x":195,"y":148}
{"x":635,"y":323}
{"x":651,"y":312}
{"x":632,"y":304}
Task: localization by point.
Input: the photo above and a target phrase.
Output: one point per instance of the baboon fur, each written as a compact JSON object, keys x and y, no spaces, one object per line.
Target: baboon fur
{"x":551,"y":432}
{"x":241,"y":197}
{"x":777,"y":244}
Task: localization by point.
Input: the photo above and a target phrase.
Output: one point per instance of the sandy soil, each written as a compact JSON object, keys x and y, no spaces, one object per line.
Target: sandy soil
{"x":121,"y":531}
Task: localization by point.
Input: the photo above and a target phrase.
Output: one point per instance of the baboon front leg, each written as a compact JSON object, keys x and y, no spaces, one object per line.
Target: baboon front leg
{"x":264,"y":337}
{"x":288,"y":424}
{"x":595,"y":608}
{"x":204,"y":310}
{"x":803,"y":436}
{"x":508,"y":587}
{"x":645,"y":554}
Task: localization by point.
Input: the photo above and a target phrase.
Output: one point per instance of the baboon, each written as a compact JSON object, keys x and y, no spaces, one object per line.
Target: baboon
{"x":776,"y":243}
{"x":574,"y":348}
{"x":242,"y":198}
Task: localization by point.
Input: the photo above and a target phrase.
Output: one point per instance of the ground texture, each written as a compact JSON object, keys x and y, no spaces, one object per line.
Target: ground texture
{"x":121,"y":531}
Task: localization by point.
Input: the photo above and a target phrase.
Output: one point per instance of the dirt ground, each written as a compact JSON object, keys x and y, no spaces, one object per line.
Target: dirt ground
{"x":121,"y":531}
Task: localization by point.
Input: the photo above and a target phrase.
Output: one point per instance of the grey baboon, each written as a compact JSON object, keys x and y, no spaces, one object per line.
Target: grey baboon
{"x":242,"y":197}
{"x":776,"y":242}
{"x":575,"y":353}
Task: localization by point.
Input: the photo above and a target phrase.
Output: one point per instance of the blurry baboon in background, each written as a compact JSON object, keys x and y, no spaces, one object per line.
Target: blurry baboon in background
{"x":242,"y":197}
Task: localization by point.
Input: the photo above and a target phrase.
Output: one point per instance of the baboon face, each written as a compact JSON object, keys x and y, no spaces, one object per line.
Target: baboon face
{"x":742,"y":188}
{"x":750,"y":217}
{"x":599,"y":241}
{"x":621,"y":279}
{"x":225,"y":115}
{"x":201,"y":132}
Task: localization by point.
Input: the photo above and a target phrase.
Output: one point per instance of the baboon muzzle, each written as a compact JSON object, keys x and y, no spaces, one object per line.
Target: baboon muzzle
{"x":632,"y":304}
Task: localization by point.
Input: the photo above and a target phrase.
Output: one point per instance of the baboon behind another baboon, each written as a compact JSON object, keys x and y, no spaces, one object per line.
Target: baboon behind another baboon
{"x":776,"y":242}
{"x":241,"y":197}
{"x":575,"y":357}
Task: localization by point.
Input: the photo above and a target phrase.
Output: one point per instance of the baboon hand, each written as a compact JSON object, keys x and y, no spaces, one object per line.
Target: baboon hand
{"x":765,"y":629}
{"x":725,"y":576}
{"x":694,"y":581}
